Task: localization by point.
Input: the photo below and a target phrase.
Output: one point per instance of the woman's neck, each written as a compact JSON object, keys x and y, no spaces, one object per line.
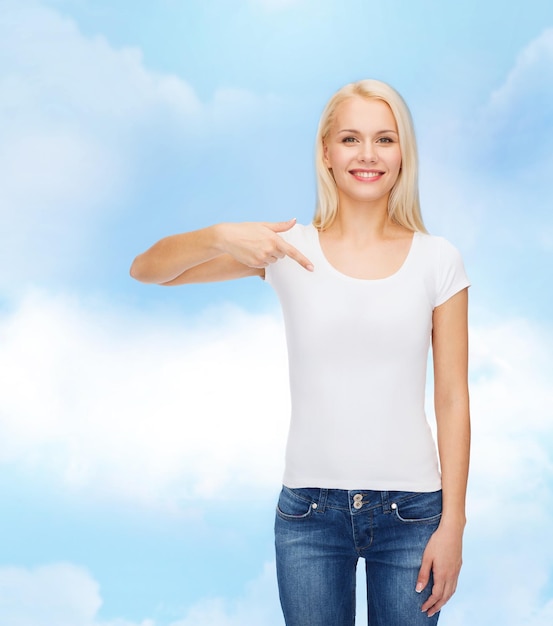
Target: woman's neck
{"x":358,"y":221}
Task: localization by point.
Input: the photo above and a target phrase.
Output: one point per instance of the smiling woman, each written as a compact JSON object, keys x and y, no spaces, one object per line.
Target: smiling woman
{"x":352,"y":153}
{"x":396,"y":127}
{"x":364,"y":291}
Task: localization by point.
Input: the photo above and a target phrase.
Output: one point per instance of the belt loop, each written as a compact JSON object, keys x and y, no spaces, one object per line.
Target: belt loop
{"x":321,"y":504}
{"x":385,"y":497}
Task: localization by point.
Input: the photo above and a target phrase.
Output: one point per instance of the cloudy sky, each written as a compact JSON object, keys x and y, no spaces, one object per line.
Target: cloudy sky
{"x":141,"y":427}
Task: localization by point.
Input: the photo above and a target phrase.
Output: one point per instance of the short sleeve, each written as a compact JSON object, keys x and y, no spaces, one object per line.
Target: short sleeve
{"x":451,"y":276}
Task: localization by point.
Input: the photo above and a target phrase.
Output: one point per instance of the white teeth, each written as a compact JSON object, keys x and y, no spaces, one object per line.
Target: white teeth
{"x":367,"y":174}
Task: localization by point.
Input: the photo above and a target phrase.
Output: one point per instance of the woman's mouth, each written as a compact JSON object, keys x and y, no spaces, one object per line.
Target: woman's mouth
{"x":366,"y":175}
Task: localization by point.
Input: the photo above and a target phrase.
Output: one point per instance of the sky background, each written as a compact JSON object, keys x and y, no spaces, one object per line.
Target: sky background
{"x":142,"y":428}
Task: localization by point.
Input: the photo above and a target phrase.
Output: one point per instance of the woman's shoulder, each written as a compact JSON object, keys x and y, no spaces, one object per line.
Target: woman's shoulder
{"x":437,"y":245}
{"x":442,"y":261}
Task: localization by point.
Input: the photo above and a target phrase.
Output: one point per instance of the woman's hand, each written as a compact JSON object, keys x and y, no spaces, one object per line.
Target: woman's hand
{"x":258,"y":244}
{"x":442,"y":557}
{"x":219,"y":252}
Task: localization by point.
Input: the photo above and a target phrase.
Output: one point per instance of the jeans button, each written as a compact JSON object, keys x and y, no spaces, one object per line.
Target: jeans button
{"x":357,"y":504}
{"x":358,"y":497}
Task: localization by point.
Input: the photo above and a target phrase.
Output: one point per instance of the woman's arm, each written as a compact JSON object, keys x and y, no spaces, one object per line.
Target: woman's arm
{"x":443,"y":555}
{"x":219,"y":252}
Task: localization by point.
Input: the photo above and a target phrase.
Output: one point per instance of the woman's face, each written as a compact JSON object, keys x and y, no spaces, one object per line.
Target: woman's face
{"x":362,"y":150}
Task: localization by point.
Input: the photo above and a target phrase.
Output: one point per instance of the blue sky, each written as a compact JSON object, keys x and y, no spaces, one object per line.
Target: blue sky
{"x":142,"y":428}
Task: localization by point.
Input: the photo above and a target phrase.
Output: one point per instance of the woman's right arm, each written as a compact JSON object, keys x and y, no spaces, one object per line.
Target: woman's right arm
{"x":218,"y":252}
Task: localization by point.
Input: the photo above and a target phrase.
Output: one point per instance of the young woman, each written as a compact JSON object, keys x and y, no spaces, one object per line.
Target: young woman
{"x":364,"y":291}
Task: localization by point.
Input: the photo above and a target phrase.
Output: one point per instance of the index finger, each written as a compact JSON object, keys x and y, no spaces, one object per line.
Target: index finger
{"x":295,"y":254}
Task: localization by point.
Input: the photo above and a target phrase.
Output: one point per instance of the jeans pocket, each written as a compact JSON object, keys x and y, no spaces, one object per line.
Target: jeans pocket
{"x":421,"y":508}
{"x":293,"y":505}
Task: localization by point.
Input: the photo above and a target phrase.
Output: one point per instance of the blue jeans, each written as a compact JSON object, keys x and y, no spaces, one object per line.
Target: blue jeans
{"x":320,"y":535}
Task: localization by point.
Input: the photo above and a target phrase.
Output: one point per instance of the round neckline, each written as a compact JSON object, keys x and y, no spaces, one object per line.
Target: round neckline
{"x":363,"y":280}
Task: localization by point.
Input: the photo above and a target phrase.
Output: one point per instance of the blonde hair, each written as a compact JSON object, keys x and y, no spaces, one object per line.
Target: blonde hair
{"x":403,"y":203}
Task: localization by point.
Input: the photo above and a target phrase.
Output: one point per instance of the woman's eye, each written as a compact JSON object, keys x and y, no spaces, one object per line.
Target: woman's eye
{"x":385,"y":140}
{"x":349,"y":140}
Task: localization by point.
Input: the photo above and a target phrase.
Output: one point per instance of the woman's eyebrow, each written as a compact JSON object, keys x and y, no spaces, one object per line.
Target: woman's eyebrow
{"x":378,"y":132}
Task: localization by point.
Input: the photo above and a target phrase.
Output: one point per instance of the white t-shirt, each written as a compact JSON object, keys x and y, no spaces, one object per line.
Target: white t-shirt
{"x":358,"y":353}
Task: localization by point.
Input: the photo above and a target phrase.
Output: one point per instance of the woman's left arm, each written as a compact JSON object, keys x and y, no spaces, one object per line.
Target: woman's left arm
{"x":443,"y":554}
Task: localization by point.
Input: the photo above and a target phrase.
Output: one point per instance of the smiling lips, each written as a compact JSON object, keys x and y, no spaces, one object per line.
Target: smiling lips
{"x":366,"y":175}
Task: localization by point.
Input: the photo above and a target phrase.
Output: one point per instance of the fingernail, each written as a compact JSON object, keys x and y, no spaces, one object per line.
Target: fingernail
{"x":309,"y":267}
{"x":419,"y":587}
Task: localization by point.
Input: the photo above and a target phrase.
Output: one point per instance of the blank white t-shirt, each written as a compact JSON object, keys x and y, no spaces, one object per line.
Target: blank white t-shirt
{"x":358,"y":353}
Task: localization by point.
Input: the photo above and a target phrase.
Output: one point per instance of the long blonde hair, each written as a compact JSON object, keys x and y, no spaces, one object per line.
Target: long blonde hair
{"x":403,"y":203}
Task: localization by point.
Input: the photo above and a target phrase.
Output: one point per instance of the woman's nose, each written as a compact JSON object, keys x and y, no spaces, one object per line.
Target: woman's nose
{"x":367,"y":152}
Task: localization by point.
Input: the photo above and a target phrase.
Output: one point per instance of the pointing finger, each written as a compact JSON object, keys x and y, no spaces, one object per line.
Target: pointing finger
{"x":295,"y":254}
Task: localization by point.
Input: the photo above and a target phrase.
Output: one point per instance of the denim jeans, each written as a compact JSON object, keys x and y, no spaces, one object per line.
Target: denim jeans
{"x":321,"y":533}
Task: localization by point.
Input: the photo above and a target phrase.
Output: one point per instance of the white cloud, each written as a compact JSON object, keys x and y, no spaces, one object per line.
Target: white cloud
{"x":258,"y":605}
{"x":56,"y":71}
{"x":52,"y":71}
{"x":152,"y":409}
{"x":516,"y":126}
{"x":75,"y":114}
{"x":512,"y":401}
{"x":485,"y":177}
{"x":528,"y":85}
{"x":61,"y":594}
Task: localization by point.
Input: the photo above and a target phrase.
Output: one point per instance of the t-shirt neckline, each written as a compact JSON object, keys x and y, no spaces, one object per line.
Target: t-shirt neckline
{"x":328,"y":264}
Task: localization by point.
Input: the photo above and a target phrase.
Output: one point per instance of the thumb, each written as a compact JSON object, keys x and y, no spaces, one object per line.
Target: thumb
{"x":281,"y":227}
{"x":424,"y":575}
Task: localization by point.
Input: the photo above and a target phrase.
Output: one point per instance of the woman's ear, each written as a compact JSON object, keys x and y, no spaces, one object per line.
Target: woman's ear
{"x":326,"y":160}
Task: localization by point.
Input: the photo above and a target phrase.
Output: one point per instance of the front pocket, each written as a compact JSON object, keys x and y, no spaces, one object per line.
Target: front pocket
{"x":421,"y":508}
{"x":292,"y":506}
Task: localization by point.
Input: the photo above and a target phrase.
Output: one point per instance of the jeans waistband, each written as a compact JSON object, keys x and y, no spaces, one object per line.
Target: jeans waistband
{"x":351,"y":499}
